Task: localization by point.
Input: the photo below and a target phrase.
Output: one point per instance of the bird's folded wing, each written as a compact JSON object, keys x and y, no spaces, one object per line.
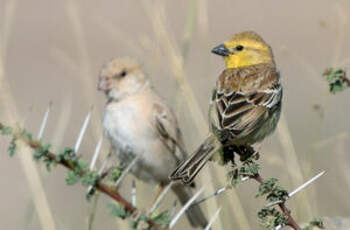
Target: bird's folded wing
{"x":244,"y":97}
{"x":168,"y":130}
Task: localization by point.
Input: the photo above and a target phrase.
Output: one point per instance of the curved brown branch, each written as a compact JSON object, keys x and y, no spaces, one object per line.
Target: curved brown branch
{"x":103,"y":188}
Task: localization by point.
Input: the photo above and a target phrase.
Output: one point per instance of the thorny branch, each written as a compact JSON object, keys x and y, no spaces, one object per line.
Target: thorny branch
{"x":275,"y":194}
{"x":100,"y":186}
{"x":284,"y":209}
{"x":269,"y":188}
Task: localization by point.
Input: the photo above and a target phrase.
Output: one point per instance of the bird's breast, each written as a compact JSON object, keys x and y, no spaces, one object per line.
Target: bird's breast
{"x":130,"y":131}
{"x":123,"y":125}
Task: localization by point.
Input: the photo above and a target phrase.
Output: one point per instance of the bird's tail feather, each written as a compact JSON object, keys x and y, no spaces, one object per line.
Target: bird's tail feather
{"x":194,"y":214}
{"x":188,"y":169}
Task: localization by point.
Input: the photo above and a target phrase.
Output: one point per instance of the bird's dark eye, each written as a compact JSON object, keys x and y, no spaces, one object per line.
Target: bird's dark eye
{"x":123,"y":73}
{"x":239,"y":48}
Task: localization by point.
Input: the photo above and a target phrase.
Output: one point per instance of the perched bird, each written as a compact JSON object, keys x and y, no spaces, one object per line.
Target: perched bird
{"x":139,"y":123}
{"x":246,"y":102}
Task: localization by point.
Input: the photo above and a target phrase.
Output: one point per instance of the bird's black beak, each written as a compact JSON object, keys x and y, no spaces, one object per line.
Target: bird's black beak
{"x":221,"y":50}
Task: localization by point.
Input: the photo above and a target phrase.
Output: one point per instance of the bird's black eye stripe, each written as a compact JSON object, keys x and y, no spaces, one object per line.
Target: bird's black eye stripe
{"x":239,"y":47}
{"x":123,"y":73}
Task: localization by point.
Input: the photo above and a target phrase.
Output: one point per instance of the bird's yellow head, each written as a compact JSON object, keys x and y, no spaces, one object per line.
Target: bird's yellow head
{"x":245,"y":49}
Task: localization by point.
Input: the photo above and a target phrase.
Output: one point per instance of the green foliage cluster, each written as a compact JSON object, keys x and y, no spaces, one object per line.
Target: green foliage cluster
{"x":270,"y":217}
{"x":275,"y":194}
{"x":12,"y":147}
{"x":116,"y":210}
{"x":249,"y":168}
{"x":116,"y":173}
{"x":336,"y":78}
{"x":140,"y":221}
{"x":40,"y":153}
{"x":79,"y":172}
{"x":162,"y":219}
{"x":272,"y":190}
{"x":8,"y":131}
{"x":79,"y":168}
{"x":316,"y":222}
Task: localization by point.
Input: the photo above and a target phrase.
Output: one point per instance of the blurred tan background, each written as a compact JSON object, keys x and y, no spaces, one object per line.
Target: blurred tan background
{"x":53,"y":50}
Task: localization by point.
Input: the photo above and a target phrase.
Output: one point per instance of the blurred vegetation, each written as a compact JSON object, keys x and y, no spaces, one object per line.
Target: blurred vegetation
{"x":337,"y":80}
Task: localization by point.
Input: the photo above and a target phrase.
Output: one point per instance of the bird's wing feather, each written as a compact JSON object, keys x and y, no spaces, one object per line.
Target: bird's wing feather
{"x":244,"y":96}
{"x":168,"y":130}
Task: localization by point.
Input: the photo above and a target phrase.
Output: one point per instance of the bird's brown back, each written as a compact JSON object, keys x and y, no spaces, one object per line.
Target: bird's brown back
{"x":243,"y":96}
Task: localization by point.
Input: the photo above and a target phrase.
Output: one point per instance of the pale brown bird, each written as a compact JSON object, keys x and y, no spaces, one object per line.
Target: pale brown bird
{"x":246,"y":102}
{"x":139,"y":123}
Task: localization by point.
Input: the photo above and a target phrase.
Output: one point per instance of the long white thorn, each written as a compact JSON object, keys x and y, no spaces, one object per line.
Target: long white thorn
{"x":127,"y":170}
{"x":82,"y":131}
{"x":216,"y":215}
{"x":307,"y":183}
{"x":133,"y":193}
{"x":100,"y":171}
{"x":184,"y":208}
{"x":273,"y":203}
{"x":104,"y":164}
{"x":278,"y":227}
{"x":96,"y":153}
{"x":44,"y":122}
{"x":173,"y":209}
{"x":217,"y":192}
{"x":161,"y":197}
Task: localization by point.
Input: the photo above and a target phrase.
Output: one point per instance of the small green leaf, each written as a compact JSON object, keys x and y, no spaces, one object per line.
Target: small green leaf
{"x":254,"y":168}
{"x":133,"y":224}
{"x":316,"y":222}
{"x":235,"y":177}
{"x":12,"y":147}
{"x":116,"y":173}
{"x":48,"y":163}
{"x":72,"y":178}
{"x":163,"y":219}
{"x":67,"y":154}
{"x":27,"y":135}
{"x":40,"y":151}
{"x":6,"y":130}
{"x":117,"y":210}
{"x":90,"y":178}
{"x":267,"y":187}
{"x":82,"y":165}
{"x":336,"y":79}
{"x":271,"y":217}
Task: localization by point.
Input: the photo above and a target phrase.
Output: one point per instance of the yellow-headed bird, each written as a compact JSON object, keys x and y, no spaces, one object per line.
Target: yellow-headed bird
{"x":246,"y":102}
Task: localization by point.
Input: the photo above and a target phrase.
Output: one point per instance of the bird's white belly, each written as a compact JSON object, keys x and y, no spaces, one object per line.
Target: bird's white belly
{"x":132,"y":136}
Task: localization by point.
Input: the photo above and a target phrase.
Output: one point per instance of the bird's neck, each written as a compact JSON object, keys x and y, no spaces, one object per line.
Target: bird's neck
{"x":237,"y":61}
{"x":117,"y":96}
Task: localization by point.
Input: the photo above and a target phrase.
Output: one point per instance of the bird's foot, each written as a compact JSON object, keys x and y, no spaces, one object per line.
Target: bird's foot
{"x":245,"y":152}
